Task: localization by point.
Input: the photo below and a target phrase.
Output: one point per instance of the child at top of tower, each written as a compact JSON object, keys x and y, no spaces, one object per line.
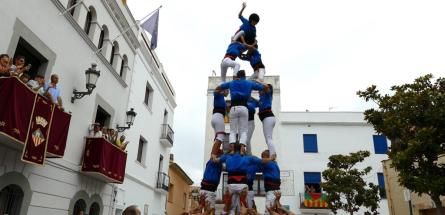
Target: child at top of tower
{"x":247,"y":31}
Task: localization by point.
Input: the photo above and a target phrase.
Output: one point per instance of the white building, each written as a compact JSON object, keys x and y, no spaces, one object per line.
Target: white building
{"x":304,"y":141}
{"x":131,"y":76}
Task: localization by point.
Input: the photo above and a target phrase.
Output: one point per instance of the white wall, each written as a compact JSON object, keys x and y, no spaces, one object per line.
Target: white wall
{"x":54,"y":185}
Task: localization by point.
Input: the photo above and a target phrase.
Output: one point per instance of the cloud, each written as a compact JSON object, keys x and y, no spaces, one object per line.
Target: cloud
{"x":323,"y":50}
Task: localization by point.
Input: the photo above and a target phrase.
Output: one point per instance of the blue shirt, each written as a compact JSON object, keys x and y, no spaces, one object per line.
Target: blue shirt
{"x":266,"y":100}
{"x":235,"y":49}
{"x":251,"y":171}
{"x":241,"y":89}
{"x":218,"y":100}
{"x":271,"y":171}
{"x":54,"y":91}
{"x":212,"y":172}
{"x":236,"y":163}
{"x":249,"y":30}
{"x":252,"y":104}
{"x":255,"y":58}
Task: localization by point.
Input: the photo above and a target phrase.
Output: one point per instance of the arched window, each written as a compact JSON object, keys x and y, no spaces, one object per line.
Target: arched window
{"x":79,"y":206}
{"x":70,"y":4}
{"x":91,"y":17}
{"x":123,"y":65}
{"x":94,"y":209}
{"x":11,"y":198}
{"x":103,"y":36}
{"x":114,"y":51}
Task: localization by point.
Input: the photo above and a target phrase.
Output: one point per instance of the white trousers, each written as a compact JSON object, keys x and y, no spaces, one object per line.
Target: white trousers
{"x":210,"y":197}
{"x":258,"y":74}
{"x":270,"y":198}
{"x":225,"y":64}
{"x":250,"y":129}
{"x":239,"y":116}
{"x":236,"y":190}
{"x":218,"y":126}
{"x":250,"y":198}
{"x":268,"y":125}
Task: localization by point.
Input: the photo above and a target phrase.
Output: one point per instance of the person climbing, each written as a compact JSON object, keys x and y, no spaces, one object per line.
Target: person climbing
{"x":267,"y":117}
{"x":272,"y":181}
{"x":219,"y":111}
{"x":252,"y":104}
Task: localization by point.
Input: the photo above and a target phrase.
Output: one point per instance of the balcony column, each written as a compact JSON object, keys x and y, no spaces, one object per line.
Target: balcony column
{"x":95,"y":32}
{"x":117,"y":62}
{"x":106,"y":49}
{"x":80,"y":14}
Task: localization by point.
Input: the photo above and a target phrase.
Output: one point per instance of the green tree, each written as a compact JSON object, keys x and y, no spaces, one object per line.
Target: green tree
{"x":413,"y":118}
{"x":345,"y":187}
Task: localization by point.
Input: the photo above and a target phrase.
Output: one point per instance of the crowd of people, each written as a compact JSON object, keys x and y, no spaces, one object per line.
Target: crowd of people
{"x":16,"y":68}
{"x":111,"y":135}
{"x":240,"y":165}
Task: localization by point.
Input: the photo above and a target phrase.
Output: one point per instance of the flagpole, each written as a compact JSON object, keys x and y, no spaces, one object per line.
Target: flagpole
{"x":129,"y":28}
{"x":73,"y":6}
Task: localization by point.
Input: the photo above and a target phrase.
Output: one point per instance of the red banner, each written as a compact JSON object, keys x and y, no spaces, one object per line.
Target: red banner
{"x":104,"y":160}
{"x":16,"y":106}
{"x":59,"y":133}
{"x":35,"y":147}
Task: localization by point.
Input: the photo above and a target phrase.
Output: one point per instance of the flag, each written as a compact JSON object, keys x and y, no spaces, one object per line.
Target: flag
{"x":151,"y":25}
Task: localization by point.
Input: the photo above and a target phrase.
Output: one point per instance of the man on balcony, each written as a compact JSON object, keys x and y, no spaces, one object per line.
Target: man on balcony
{"x":54,"y":91}
{"x":95,"y":130}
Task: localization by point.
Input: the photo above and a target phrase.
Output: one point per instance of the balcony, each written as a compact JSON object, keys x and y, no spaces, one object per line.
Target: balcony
{"x":162,"y":182}
{"x":104,"y":161}
{"x":167,"y":135}
{"x":313,"y":203}
{"x":29,"y":122}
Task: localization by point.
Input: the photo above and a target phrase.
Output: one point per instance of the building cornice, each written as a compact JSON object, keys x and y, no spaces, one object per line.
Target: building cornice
{"x":181,"y":172}
{"x":121,"y":22}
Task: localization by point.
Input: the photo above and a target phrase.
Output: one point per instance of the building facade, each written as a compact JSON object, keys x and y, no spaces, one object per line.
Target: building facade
{"x":399,"y":197}
{"x":180,"y":190}
{"x":66,"y":42}
{"x":304,"y":141}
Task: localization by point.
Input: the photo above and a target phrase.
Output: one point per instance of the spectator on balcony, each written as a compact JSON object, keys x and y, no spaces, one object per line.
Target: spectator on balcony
{"x":121,"y":143}
{"x":112,"y":135}
{"x":37,"y":84}
{"x":95,"y":130}
{"x":5,"y":66}
{"x":105,"y":133}
{"x":53,"y":91}
{"x":132,"y":210}
{"x":19,"y":67}
{"x":24,"y":78}
{"x":80,"y":212}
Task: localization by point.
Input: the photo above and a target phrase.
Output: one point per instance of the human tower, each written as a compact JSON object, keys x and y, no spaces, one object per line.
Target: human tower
{"x":240,"y":164}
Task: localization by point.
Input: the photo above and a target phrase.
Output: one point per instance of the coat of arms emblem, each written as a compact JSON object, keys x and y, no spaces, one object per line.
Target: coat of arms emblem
{"x":37,"y":137}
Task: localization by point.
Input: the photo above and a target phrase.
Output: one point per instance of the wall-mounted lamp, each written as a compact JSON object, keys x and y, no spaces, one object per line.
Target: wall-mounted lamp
{"x":130,"y":120}
{"x":91,"y":78}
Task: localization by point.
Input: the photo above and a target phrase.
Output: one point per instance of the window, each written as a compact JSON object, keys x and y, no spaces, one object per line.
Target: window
{"x":88,"y":22}
{"x":102,"y":117}
{"x":310,"y":143}
{"x":380,"y":144}
{"x":124,"y":64}
{"x":312,"y":181}
{"x":70,"y":4}
{"x":148,"y":95}
{"x":103,"y":35}
{"x":184,"y":199}
{"x":381,"y":180}
{"x":141,"y":150}
{"x":94,"y":209}
{"x":11,"y":198}
{"x":114,"y":51}
{"x":170,"y":192}
{"x":32,"y":57}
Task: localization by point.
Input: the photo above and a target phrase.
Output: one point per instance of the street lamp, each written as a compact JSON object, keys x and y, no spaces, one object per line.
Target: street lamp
{"x":91,"y":78}
{"x":130,"y":120}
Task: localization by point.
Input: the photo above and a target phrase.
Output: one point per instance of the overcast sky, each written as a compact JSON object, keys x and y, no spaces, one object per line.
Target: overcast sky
{"x":324,"y":51}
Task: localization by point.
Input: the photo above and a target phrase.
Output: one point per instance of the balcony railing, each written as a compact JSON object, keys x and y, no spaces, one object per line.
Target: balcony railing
{"x":163,"y":181}
{"x":104,"y":161}
{"x":313,"y":200}
{"x":167,"y":135}
{"x":29,"y":122}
